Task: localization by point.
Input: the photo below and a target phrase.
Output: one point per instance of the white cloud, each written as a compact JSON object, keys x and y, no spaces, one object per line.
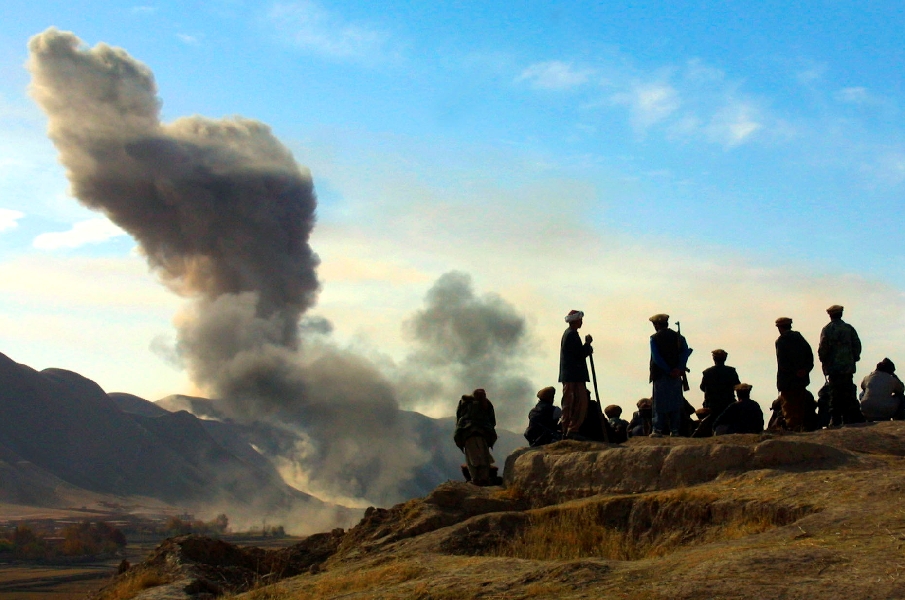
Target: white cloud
{"x":92,"y":231}
{"x":554,"y":75}
{"x":734,"y":124}
{"x":861,"y":96}
{"x":649,"y":103}
{"x":9,"y":219}
{"x":191,"y":40}
{"x":144,"y":10}
{"x":310,"y":26}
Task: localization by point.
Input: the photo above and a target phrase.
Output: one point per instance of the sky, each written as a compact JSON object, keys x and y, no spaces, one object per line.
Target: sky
{"x":726,"y":163}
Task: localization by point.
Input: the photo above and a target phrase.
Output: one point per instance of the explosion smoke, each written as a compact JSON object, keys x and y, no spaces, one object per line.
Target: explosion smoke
{"x":223,"y":214}
{"x":464,"y":341}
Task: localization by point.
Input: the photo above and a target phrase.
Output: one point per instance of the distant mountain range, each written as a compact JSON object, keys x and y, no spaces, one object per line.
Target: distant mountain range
{"x":61,"y":434}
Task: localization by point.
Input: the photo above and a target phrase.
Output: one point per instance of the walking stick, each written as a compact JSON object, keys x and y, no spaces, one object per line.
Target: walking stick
{"x":606,"y":437}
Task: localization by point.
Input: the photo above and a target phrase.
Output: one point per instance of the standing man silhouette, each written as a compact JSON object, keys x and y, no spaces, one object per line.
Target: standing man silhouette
{"x":573,"y":374}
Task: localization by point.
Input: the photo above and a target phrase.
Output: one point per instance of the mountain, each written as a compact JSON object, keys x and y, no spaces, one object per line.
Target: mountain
{"x":63,"y":439}
{"x":434,"y":436}
{"x":61,"y":430}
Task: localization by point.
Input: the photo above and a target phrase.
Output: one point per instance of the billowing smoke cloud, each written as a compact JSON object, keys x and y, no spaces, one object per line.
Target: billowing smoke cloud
{"x":464,"y":342}
{"x":224,"y":214}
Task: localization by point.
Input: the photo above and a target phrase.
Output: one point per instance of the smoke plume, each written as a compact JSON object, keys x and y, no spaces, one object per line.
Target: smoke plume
{"x":223,"y":214}
{"x":464,"y":342}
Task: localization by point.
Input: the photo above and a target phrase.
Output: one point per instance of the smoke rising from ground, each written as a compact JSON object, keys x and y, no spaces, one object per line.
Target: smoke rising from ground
{"x":224,"y":214}
{"x":464,"y":341}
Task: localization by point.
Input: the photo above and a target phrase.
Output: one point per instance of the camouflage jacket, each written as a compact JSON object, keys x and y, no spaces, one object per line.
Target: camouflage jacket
{"x":839,"y":349}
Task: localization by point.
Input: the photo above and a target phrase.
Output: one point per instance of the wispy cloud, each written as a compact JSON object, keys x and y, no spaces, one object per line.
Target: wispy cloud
{"x":311,"y":27}
{"x":92,"y":231}
{"x":554,"y":75}
{"x":190,"y":40}
{"x":144,"y":10}
{"x":649,"y":103}
{"x":9,"y":219}
{"x":863,"y":97}
{"x":734,"y":124}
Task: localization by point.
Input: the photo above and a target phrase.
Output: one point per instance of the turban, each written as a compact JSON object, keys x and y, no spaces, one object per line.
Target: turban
{"x":574,"y":315}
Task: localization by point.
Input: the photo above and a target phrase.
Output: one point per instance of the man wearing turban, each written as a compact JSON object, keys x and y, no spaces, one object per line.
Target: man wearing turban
{"x":573,"y":374}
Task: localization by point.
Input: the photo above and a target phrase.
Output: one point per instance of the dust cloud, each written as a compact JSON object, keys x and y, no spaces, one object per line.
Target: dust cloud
{"x":223,"y":214}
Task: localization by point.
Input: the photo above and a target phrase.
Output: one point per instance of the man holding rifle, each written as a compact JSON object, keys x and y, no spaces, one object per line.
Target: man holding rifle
{"x":669,"y":354}
{"x":573,"y":374}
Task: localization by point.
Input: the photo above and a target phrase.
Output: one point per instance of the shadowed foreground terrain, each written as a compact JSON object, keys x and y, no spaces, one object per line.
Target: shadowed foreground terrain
{"x":745,"y":516}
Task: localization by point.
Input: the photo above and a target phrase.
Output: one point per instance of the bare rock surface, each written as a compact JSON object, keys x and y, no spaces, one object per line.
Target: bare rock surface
{"x":742,"y":517}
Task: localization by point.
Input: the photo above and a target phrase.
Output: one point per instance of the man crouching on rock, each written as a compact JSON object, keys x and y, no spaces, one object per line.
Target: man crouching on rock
{"x":476,"y":434}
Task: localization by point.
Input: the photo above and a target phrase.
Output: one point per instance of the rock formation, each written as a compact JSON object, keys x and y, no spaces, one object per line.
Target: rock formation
{"x":746,"y":516}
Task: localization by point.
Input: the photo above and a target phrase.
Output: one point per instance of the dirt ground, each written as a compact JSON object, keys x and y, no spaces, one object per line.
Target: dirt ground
{"x":795,"y":516}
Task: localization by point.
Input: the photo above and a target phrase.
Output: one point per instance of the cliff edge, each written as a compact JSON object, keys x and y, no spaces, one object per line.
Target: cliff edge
{"x":745,"y":516}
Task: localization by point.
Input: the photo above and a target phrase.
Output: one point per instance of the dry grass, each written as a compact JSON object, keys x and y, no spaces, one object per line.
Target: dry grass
{"x":130,"y":587}
{"x":392,"y":574}
{"x":655,"y":526}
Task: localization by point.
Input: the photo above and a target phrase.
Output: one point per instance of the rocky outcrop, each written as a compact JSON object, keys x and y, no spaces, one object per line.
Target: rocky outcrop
{"x":746,"y":517}
{"x":197,"y":567}
{"x":569,"y":470}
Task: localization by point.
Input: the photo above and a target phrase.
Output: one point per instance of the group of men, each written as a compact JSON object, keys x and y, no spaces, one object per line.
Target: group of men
{"x":728,"y":407}
{"x":727,"y":404}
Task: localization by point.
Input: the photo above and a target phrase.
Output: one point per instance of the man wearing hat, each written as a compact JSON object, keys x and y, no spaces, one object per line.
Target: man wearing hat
{"x":669,"y":354}
{"x":718,"y":383}
{"x":742,"y":416}
{"x":839,"y":350}
{"x":573,"y":374}
{"x":543,"y":425}
{"x":794,"y":362}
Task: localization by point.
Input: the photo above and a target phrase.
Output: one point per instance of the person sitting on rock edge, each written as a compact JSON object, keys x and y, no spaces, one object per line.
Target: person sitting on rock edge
{"x":476,"y":434}
{"x":742,"y":416}
{"x":882,"y":398}
{"x":642,"y":419}
{"x":543,"y":420}
{"x":618,"y":425}
{"x":703,"y":427}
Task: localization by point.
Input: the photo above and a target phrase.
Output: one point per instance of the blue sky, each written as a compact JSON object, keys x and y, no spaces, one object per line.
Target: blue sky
{"x":720,"y":161}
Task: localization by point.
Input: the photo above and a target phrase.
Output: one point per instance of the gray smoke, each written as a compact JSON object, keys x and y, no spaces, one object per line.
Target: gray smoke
{"x":464,"y":341}
{"x":223,"y":214}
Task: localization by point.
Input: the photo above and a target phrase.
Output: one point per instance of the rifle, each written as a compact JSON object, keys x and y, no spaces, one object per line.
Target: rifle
{"x":685,"y":386}
{"x":606,"y":437}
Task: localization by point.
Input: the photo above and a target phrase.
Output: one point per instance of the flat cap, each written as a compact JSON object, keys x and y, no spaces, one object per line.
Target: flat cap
{"x":613,"y":410}
{"x":547,"y":394}
{"x":783,"y":321}
{"x":834,"y":309}
{"x":702,"y":412}
{"x":743,"y":387}
{"x":719,"y":352}
{"x":659,"y":318}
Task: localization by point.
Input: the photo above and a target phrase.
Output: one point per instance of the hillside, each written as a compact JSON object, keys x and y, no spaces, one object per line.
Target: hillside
{"x":65,"y":442}
{"x":745,"y":516}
